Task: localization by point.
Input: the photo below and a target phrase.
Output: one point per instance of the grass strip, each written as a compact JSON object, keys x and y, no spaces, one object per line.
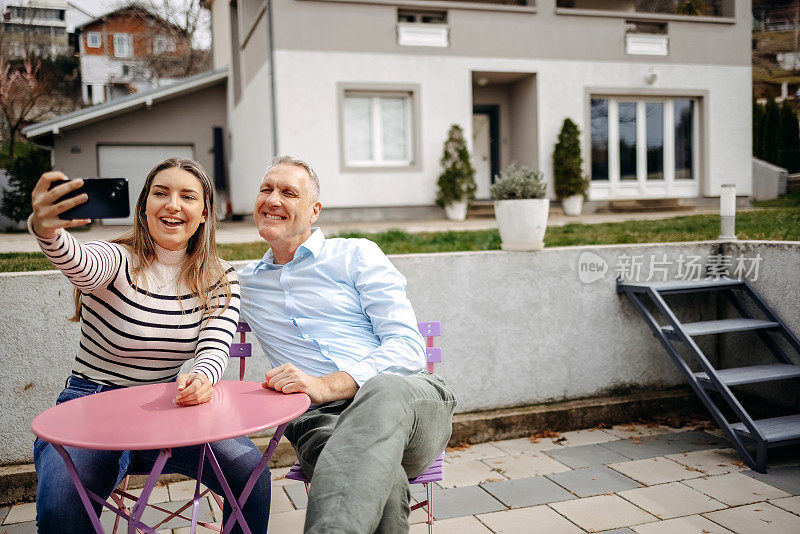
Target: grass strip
{"x":778,"y":224}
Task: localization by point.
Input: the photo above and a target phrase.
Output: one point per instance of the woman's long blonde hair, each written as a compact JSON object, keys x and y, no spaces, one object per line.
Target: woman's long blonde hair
{"x":202,"y":271}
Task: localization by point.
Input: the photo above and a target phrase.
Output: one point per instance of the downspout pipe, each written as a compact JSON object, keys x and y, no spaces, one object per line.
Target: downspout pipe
{"x":273,"y":100}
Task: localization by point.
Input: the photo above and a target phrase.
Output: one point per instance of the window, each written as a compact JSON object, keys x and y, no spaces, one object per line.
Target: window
{"x":377,"y":129}
{"x":93,"y":39}
{"x":122,"y":45}
{"x":599,"y":139}
{"x":684,"y":139}
{"x":643,"y":141}
{"x":421,"y":17}
{"x":163,"y":44}
{"x":652,"y":28}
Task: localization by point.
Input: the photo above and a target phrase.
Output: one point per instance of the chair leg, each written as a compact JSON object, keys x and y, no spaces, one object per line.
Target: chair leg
{"x":306,"y":483}
{"x":429,"y":492}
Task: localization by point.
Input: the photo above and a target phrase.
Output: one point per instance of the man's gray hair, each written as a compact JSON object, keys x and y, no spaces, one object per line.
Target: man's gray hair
{"x":297,"y":162}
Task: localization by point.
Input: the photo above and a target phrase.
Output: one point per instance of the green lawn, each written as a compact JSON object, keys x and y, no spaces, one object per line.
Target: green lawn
{"x":780,"y":221}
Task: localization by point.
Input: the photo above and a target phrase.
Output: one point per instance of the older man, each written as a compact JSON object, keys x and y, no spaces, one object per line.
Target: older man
{"x":334,"y":321}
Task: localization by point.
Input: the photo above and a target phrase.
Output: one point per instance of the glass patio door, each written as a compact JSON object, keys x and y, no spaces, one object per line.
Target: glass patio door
{"x":644,"y":148}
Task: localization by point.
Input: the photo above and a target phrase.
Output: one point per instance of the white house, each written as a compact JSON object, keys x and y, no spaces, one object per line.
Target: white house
{"x":366,"y":90}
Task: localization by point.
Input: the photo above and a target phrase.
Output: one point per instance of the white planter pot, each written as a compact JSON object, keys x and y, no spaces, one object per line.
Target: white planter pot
{"x":457,"y":211}
{"x":522,"y":223}
{"x":572,"y":205}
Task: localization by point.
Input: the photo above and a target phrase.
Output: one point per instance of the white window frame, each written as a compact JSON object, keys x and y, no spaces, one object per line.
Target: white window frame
{"x":94,"y":40}
{"x":377,"y":139}
{"x":614,"y":187}
{"x":128,"y":48}
{"x":162,"y":45}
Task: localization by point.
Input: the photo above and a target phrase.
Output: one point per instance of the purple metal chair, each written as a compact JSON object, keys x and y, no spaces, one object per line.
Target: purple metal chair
{"x":435,"y":472}
{"x":240,"y":350}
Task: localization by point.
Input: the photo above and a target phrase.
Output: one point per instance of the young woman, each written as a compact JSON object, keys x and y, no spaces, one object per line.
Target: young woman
{"x":147,"y":302}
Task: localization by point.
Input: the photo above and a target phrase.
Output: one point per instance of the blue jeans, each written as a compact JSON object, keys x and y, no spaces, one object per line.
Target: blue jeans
{"x":58,"y":505}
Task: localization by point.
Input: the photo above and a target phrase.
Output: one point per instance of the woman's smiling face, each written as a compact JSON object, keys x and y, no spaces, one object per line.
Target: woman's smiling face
{"x":175,"y":208}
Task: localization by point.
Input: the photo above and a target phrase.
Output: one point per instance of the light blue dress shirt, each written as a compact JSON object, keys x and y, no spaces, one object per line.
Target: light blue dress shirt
{"x":338,"y":305}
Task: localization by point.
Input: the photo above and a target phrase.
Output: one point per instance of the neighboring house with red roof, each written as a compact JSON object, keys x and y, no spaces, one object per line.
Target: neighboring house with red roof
{"x":128,"y":50}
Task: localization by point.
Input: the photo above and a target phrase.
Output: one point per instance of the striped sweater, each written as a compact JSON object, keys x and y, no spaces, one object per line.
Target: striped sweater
{"x":141,"y":335}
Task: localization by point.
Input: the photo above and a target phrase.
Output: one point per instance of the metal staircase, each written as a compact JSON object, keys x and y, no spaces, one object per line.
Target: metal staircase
{"x":747,"y":432}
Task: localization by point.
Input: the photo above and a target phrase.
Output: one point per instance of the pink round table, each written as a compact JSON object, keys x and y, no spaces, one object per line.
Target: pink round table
{"x":145,"y":417}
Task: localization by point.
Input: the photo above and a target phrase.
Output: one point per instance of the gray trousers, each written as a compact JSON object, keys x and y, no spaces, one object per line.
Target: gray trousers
{"x":360,"y":453}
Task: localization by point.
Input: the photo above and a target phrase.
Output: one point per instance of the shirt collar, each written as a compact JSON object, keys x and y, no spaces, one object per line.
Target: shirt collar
{"x":313,"y":245}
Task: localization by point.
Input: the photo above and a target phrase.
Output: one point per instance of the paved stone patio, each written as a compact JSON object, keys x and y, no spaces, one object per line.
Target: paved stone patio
{"x":622,"y":480}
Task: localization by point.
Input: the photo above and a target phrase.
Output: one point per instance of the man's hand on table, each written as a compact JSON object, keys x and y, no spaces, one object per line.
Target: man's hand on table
{"x":193,"y":388}
{"x":289,"y":379}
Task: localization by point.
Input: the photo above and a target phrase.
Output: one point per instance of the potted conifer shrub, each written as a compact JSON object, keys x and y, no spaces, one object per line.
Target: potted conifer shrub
{"x":457,"y":181}
{"x":568,"y":179}
{"x":520,"y":208}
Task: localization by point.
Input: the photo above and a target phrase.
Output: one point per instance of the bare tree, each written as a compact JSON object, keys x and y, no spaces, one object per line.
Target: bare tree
{"x":28,"y":92}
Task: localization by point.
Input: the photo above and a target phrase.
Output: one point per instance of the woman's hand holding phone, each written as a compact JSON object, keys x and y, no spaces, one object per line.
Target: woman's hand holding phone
{"x":46,"y":206}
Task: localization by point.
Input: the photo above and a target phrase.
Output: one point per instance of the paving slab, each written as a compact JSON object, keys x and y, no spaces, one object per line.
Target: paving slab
{"x":674,"y":499}
{"x":468,"y":474}
{"x":756,"y":518}
{"x":711,"y":461}
{"x":457,"y":502}
{"x":603,"y":512}
{"x":527,"y":492}
{"x":28,"y":527}
{"x":152,"y":516}
{"x":693,"y":524}
{"x":664,"y":444}
{"x":159,"y":494}
{"x":183,"y":490}
{"x":593,"y":481}
{"x":520,"y":521}
{"x":618,"y":531}
{"x":786,"y":478}
{"x":287,"y":522}
{"x":526,"y":445}
{"x":641,"y":448}
{"x":200,"y":530}
{"x":659,"y":470}
{"x":585,"y":456}
{"x":278,"y":476}
{"x":635,"y":430}
{"x":279,"y":501}
{"x":576,"y":438}
{"x":3,"y":513}
{"x":457,"y":525}
{"x":297,"y":493}
{"x":735,"y":489}
{"x":480,"y":451}
{"x":525,"y":465}
{"x":21,"y":513}
{"x":692,"y":440}
{"x":790,"y":504}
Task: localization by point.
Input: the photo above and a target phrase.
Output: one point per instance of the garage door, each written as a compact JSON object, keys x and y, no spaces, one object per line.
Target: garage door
{"x":134,"y":162}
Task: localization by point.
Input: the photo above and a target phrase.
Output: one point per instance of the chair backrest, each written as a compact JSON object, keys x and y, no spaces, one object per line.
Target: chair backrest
{"x":429,"y":330}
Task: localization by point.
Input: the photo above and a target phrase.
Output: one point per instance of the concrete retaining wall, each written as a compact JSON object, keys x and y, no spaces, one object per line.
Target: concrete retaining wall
{"x":519,"y":328}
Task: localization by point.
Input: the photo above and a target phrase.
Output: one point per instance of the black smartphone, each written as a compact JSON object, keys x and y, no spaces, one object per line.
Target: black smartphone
{"x":108,"y":199}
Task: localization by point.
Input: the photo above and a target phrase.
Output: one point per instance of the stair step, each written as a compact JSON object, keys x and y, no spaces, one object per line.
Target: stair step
{"x":652,"y":204}
{"x":775,"y":430}
{"x":705,"y":328}
{"x":737,"y":376}
{"x":682,"y":286}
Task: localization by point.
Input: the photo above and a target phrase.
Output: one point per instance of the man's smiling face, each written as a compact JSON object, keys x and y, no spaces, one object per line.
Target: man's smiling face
{"x":286,"y":207}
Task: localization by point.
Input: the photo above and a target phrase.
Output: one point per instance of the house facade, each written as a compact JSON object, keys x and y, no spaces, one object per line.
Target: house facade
{"x":366,"y":90}
{"x":35,"y":28}
{"x":125,"y":51}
